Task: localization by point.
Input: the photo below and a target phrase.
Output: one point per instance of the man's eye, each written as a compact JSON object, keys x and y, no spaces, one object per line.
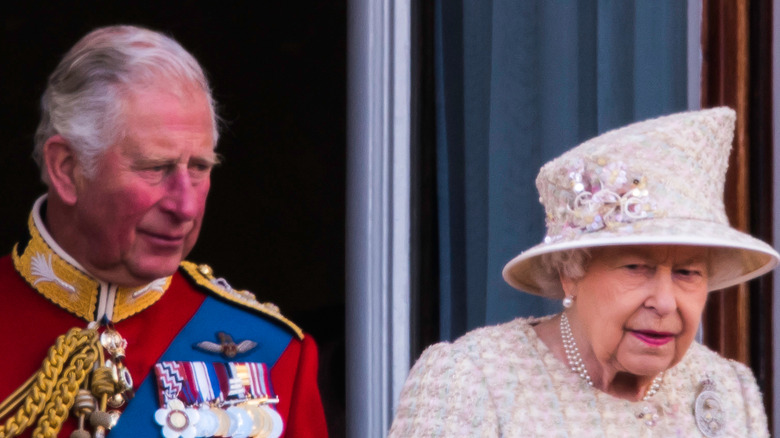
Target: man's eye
{"x":199,"y":171}
{"x":155,"y":168}
{"x":200,"y":167}
{"x":154,"y":174}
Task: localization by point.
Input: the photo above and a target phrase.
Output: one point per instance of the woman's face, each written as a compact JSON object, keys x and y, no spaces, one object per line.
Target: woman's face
{"x":638,"y":307}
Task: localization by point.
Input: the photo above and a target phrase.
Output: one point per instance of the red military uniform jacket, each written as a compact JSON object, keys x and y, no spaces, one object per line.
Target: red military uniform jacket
{"x":45,"y":293}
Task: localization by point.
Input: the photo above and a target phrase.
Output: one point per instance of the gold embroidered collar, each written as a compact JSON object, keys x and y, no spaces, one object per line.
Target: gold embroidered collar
{"x":61,"y":279}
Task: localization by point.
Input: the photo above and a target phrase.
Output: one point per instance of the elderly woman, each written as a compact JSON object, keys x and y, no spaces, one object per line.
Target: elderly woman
{"x":637,"y":238}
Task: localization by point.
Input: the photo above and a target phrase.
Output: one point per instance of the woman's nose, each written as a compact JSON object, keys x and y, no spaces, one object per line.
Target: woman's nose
{"x":661,"y":296}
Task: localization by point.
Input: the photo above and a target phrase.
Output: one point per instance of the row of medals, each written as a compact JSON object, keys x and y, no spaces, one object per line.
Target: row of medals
{"x":250,"y":418}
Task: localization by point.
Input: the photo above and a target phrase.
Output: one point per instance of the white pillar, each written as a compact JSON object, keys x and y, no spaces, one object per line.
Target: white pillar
{"x":378,"y":211}
{"x":776,"y":214}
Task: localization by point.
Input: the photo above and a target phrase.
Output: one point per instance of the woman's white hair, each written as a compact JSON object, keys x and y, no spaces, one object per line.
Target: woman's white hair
{"x":84,"y":95}
{"x":571,"y":263}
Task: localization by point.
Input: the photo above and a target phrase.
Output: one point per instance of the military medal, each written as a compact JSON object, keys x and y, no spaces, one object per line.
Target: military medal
{"x":177,"y":420}
{"x":199,"y":399}
{"x":261,"y":421}
{"x":208,"y":422}
{"x":242,"y":421}
{"x":223,"y":422}
{"x":276,"y":421}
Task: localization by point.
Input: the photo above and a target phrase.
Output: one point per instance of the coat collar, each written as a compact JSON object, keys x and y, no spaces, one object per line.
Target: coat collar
{"x":52,"y":272}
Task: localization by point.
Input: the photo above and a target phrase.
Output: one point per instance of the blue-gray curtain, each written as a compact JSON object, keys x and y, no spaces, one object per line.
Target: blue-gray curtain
{"x":517,"y":83}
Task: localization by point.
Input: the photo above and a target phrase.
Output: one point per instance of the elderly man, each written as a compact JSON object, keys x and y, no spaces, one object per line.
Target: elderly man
{"x":106,"y":329}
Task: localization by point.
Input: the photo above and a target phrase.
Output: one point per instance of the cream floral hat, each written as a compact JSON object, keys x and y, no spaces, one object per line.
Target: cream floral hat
{"x":659,"y":181}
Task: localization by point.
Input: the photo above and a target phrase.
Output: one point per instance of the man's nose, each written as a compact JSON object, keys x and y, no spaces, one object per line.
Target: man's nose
{"x":181,"y":196}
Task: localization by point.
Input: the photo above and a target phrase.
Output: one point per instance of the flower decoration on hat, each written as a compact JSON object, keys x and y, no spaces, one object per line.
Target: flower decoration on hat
{"x":600,"y":196}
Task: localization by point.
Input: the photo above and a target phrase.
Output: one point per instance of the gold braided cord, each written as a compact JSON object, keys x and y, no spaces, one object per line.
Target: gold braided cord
{"x":17,"y":397}
{"x":56,"y":411}
{"x":78,"y":350}
{"x":102,"y":384}
{"x":33,"y":399}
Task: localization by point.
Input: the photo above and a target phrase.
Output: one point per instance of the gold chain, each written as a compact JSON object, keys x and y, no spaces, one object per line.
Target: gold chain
{"x":54,"y":387}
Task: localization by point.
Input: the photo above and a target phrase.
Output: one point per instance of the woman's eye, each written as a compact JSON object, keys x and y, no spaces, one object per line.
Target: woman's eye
{"x":689,"y":272}
{"x":638,"y":269}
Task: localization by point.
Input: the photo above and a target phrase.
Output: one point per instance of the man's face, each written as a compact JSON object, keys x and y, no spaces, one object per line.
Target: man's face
{"x":141,"y":213}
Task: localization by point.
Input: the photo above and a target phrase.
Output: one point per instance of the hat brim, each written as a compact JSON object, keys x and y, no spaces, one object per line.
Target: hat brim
{"x":740,"y":258}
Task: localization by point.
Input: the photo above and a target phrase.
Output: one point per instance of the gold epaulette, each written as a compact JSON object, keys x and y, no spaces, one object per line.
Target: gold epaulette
{"x":203,"y":276}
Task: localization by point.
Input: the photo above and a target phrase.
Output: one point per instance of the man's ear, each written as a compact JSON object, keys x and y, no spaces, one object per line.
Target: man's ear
{"x":61,"y":162}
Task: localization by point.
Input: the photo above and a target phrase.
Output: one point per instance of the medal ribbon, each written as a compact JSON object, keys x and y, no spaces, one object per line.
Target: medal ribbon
{"x":196,"y":383}
{"x":235,"y":399}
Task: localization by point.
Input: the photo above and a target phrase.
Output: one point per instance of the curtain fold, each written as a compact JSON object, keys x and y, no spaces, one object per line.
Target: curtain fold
{"x":518,"y":83}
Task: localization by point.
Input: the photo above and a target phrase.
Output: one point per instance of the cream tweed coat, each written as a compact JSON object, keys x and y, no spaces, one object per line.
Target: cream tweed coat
{"x":503,"y":381}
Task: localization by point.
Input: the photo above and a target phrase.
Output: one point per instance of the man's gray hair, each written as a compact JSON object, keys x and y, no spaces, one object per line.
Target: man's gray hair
{"x":84,"y":95}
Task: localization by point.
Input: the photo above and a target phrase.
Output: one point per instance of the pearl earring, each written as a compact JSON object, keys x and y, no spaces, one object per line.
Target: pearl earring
{"x":568,"y":302}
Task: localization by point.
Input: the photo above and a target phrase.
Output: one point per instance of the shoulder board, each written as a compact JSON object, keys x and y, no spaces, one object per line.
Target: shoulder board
{"x":203,"y":276}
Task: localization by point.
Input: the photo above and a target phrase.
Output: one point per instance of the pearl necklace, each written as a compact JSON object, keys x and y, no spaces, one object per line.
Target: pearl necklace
{"x":578,"y":365}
